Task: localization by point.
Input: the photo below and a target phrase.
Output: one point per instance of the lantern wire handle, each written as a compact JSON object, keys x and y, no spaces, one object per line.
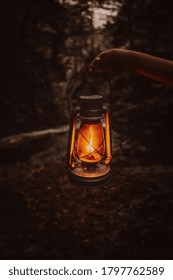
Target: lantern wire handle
{"x":68,"y":88}
{"x":81,"y":74}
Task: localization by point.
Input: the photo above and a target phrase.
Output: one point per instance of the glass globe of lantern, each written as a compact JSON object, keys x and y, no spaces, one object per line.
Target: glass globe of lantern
{"x":89,"y":148}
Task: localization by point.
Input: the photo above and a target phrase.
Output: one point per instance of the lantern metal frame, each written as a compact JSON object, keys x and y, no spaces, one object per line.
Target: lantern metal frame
{"x":90,"y":112}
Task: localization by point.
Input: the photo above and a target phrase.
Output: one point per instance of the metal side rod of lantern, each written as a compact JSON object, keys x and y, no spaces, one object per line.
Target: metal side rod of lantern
{"x":89,"y":143}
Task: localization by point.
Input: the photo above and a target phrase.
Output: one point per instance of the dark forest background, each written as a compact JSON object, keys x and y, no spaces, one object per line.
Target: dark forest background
{"x":43,"y":44}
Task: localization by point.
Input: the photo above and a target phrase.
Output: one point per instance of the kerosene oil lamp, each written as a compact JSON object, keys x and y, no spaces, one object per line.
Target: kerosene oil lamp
{"x":89,"y":143}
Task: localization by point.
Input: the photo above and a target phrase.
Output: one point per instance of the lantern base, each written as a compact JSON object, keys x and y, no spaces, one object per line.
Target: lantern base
{"x":99,"y":176}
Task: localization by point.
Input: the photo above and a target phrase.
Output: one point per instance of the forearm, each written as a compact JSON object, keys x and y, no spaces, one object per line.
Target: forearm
{"x":113,"y":62}
{"x":153,"y":67}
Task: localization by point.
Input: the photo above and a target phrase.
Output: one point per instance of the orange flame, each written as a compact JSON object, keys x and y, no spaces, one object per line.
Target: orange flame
{"x":90,"y":144}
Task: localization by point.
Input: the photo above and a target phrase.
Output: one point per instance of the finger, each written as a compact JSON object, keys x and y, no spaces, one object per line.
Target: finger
{"x":98,"y":58}
{"x":95,"y":71}
{"x":96,"y":62}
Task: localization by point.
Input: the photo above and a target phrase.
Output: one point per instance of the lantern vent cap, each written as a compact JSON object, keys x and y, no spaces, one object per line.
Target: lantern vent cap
{"x":91,"y":107}
{"x":91,"y":97}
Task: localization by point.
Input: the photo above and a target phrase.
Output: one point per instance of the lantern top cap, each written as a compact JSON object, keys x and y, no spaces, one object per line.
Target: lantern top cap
{"x":91,"y":97}
{"x":91,"y":108}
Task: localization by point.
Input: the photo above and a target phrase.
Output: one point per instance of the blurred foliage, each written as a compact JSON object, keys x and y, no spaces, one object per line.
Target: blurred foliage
{"x":36,"y":40}
{"x":43,"y":43}
{"x":143,"y":108}
{"x":145,"y":26}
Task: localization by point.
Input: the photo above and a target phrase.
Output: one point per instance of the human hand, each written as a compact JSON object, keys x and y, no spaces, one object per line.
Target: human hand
{"x":109,"y":63}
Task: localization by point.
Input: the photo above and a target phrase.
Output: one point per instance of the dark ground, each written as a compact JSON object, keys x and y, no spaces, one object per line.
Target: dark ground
{"x":44,"y":216}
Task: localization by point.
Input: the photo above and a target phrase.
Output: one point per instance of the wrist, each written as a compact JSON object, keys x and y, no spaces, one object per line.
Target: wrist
{"x":123,"y":59}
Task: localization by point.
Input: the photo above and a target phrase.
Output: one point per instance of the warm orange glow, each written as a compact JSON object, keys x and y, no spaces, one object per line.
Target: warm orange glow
{"x":108,"y":140}
{"x":90,"y":144}
{"x":72,"y":140}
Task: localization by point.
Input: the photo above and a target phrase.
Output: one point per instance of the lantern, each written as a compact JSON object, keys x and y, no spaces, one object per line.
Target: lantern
{"x":89,"y":143}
